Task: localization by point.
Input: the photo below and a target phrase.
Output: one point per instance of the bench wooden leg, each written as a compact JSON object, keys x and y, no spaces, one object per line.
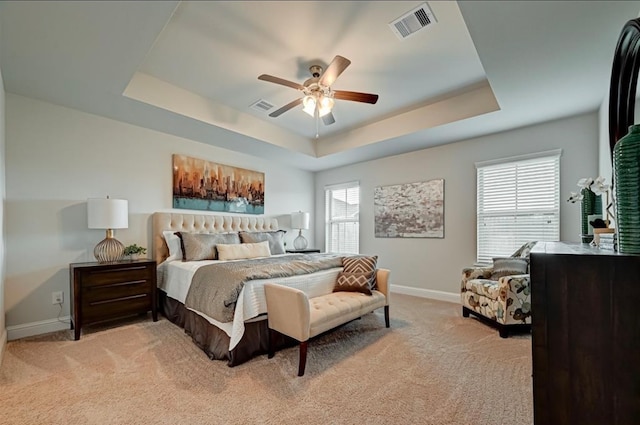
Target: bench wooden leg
{"x":272,"y":338}
{"x":386,"y":315}
{"x":303,"y":358}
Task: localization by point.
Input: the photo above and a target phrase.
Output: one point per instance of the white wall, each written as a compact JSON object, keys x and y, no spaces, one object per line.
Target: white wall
{"x":3,"y":262}
{"x":433,"y":266}
{"x":605,"y":168}
{"x":58,"y":157}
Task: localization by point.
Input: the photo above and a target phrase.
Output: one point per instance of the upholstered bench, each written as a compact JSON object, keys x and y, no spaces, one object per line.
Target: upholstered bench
{"x":292,"y":313}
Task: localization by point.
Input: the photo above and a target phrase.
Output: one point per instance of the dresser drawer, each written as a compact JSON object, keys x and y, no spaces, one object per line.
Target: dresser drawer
{"x":110,"y":277}
{"x":91,"y":294}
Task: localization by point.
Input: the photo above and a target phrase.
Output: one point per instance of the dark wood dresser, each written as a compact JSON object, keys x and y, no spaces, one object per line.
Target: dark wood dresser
{"x":585,"y":305}
{"x":104,"y":291}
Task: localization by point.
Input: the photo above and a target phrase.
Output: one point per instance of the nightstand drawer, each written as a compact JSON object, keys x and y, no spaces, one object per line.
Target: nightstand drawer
{"x":90,"y":294}
{"x":116,"y":307}
{"x":109,"y":277}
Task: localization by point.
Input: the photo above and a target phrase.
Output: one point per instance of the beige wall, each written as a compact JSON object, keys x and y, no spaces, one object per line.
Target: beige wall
{"x":58,"y":157}
{"x":432,"y":267}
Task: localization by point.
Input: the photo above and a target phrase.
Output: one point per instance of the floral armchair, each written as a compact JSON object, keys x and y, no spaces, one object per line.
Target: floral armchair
{"x":496,"y":294}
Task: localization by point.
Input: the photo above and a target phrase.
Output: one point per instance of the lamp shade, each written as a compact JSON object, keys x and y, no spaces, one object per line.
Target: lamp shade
{"x":300,"y":220}
{"x":106,"y":213}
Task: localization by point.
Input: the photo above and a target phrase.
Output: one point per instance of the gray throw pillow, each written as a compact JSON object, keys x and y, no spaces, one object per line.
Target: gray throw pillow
{"x":202,"y":246}
{"x":275,"y":239}
{"x":508,"y":267}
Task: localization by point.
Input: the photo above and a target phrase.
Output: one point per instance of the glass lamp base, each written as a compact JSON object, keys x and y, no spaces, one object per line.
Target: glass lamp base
{"x":300,"y":242}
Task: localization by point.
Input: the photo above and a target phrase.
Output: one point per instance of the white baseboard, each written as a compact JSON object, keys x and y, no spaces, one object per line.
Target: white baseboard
{"x":426,"y":293}
{"x":37,"y":328}
{"x":3,"y":344}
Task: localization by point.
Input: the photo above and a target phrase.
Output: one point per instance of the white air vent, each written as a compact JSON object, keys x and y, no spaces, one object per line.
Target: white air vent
{"x":262,"y":105}
{"x":413,"y":21}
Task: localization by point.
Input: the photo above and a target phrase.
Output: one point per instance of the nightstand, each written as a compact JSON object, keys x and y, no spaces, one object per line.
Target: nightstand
{"x":303,"y":251}
{"x":104,"y":291}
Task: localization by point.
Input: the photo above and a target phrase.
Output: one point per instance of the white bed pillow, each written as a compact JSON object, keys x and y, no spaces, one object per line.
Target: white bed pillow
{"x":173,"y":243}
{"x":244,"y":250}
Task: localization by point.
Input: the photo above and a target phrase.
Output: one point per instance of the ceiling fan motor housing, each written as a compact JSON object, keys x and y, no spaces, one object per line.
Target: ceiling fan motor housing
{"x":315,"y":70}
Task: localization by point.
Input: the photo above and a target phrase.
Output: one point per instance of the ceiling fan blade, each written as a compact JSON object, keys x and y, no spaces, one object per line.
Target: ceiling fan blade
{"x":272,"y":79}
{"x":333,"y":71}
{"x":328,"y":119}
{"x":355,"y":96}
{"x":286,"y":107}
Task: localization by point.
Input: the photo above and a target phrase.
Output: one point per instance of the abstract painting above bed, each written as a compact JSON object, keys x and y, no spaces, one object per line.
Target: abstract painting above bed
{"x":203,"y":185}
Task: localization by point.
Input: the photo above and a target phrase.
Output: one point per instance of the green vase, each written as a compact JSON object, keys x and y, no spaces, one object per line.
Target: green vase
{"x":626,"y":168}
{"x":591,"y":204}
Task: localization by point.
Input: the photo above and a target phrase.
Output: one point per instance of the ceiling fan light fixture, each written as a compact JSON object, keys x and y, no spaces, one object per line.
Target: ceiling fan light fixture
{"x":323,"y":111}
{"x":326,"y":102}
{"x":309,"y":103}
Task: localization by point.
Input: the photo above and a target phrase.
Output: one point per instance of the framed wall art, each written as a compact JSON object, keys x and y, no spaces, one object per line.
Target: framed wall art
{"x":204,"y":185}
{"x":410,"y":210}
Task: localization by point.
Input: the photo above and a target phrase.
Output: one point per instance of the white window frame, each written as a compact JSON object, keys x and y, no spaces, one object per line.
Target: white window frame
{"x":330,"y":222}
{"x":527,"y":215}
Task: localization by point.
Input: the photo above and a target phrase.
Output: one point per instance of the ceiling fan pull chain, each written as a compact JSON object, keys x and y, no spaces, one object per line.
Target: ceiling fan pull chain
{"x":317,"y":126}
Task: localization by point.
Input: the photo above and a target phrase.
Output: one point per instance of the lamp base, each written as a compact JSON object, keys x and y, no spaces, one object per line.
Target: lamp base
{"x":300,"y":242}
{"x":109,"y":249}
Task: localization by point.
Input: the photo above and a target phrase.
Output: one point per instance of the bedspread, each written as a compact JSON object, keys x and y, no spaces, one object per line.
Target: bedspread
{"x":215,"y":287}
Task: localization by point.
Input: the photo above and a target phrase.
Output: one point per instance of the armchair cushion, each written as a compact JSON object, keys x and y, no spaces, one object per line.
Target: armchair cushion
{"x":488,"y":288}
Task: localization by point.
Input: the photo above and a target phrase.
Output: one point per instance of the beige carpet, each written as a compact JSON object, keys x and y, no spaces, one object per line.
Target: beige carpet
{"x":431,"y":367}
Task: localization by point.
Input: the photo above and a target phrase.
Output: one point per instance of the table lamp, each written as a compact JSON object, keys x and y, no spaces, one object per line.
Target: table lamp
{"x":109,"y":214}
{"x":300,"y":220}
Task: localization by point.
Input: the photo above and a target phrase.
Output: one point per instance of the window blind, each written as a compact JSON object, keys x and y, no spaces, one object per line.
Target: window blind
{"x":342,"y":212}
{"x":517,"y":201}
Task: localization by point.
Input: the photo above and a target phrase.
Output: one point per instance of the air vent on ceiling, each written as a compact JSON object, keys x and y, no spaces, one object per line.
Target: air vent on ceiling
{"x":261,"y":105}
{"x":413,"y":21}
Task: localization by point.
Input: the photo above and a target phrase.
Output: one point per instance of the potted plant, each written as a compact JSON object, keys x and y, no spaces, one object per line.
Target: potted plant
{"x":134,"y":251}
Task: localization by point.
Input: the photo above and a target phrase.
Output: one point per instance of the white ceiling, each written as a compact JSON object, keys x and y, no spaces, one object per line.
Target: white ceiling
{"x":191,"y":68}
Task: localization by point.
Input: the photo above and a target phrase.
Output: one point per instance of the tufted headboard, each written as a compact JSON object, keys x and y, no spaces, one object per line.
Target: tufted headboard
{"x":201,"y":223}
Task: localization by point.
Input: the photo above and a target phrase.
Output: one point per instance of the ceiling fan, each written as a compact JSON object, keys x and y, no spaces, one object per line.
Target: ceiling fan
{"x":318,"y":97}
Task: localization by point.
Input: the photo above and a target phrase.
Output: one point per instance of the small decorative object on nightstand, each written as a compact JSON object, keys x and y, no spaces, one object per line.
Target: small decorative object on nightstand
{"x":104,"y":291}
{"x":300,"y":220}
{"x":303,"y":251}
{"x":133,"y":252}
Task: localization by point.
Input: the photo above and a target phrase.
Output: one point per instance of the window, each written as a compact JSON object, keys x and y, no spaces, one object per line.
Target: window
{"x":518,"y":202}
{"x":342,"y":212}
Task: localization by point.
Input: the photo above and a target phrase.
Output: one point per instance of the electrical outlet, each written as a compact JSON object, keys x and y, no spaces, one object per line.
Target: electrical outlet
{"x":57,"y":297}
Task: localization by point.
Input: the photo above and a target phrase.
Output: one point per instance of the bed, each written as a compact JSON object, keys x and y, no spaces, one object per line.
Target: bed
{"x":243,"y":333}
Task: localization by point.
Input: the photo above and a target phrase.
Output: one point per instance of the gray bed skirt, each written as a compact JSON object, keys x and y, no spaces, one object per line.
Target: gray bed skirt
{"x":215,"y":342}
